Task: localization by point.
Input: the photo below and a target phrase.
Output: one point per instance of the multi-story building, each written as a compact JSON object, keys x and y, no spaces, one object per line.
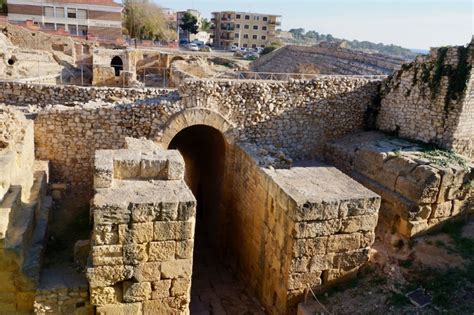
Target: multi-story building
{"x":244,"y":29}
{"x":99,"y":18}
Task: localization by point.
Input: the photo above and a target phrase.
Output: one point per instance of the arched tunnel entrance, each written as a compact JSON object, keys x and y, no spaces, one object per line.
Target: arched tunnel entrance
{"x":117,"y":64}
{"x":215,"y":289}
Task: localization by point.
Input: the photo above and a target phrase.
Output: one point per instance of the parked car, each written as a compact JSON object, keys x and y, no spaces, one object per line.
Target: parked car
{"x":234,"y":48}
{"x":259,"y":50}
{"x":206,"y":48}
{"x":193,"y":47}
{"x":251,"y":56}
{"x":243,"y":49}
{"x":183,"y":42}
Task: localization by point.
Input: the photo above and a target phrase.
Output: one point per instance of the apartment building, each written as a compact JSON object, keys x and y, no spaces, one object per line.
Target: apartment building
{"x":99,"y":18}
{"x":243,"y":29}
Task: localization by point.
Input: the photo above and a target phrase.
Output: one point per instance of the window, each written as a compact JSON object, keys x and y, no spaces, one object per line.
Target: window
{"x":237,"y":25}
{"x":254,"y":36}
{"x":264,"y":37}
{"x":254,"y":46}
{"x":265,"y":18}
{"x":263,"y":46}
{"x":247,"y":17}
{"x":60,"y":12}
{"x":255,"y":27}
{"x":222,"y":43}
{"x":49,"y":26}
{"x":82,"y":14}
{"x":48,"y":11}
{"x":246,"y":35}
{"x":246,"y":27}
{"x":237,"y":16}
{"x":236,"y":44}
{"x":60,"y":27}
{"x":245,"y":45}
{"x":72,"y":29}
{"x":264,"y":28}
{"x":71,"y":13}
{"x":236,"y":35}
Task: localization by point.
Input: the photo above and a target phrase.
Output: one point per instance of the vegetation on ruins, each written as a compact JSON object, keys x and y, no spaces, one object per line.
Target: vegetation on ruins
{"x":3,"y":6}
{"x":313,"y":37}
{"x":206,"y":25}
{"x":143,"y":19}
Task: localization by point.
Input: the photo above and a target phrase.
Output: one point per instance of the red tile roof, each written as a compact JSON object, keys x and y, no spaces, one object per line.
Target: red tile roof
{"x":93,"y":2}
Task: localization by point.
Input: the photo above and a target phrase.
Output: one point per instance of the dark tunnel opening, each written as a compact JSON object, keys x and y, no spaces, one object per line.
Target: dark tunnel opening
{"x":215,"y":288}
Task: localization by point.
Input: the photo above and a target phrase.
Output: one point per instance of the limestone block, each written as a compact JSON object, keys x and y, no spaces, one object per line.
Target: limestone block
{"x":145,"y":212}
{"x":179,"y":303}
{"x":367,"y":239}
{"x":103,"y":168}
{"x":134,"y":254}
{"x":120,"y":309}
{"x":105,"y":234}
{"x":181,"y":268}
{"x":162,"y":251}
{"x":175,"y":165}
{"x":181,"y":287}
{"x":25,"y":301}
{"x":169,"y":211}
{"x":136,"y":233}
{"x":301,"y":280}
{"x":186,"y":210}
{"x":103,"y":295}
{"x":368,"y":161}
{"x":104,"y":276}
{"x":173,"y":230}
{"x":153,"y":167}
{"x":7,"y":162}
{"x":324,"y":210}
{"x":442,"y":209}
{"x":321,"y":262}
{"x":154,"y":307}
{"x":354,"y":207}
{"x":421,"y":185}
{"x":184,"y":249}
{"x":317,"y":228}
{"x":310,"y":246}
{"x":460,"y":206}
{"x":149,"y":271}
{"x":161,"y":289}
{"x":107,"y":255}
{"x":338,"y":274}
{"x":359,"y":223}
{"x":136,"y":292}
{"x":126,"y":164}
{"x":351,"y":259}
{"x":107,"y":212}
{"x":412,"y":228}
{"x":343,"y":242}
{"x":300,"y":265}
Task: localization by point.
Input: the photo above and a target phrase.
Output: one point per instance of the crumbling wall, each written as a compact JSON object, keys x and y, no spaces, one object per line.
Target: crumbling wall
{"x":420,"y":187}
{"x":430,"y":100}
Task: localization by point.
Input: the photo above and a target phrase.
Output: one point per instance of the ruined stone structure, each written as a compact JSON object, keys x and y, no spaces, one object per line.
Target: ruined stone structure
{"x":247,"y":176}
{"x":24,"y":211}
{"x":325,"y":59}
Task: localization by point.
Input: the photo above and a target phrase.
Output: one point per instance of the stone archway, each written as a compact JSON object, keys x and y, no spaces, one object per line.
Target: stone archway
{"x":117,"y":64}
{"x":195,"y":116}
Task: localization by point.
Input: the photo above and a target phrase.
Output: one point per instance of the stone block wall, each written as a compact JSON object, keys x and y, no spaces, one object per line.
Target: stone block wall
{"x":298,"y":227}
{"x":142,"y":239}
{"x":430,"y":100}
{"x":62,"y":301}
{"x":299,"y":116}
{"x":420,"y":188}
{"x":22,"y":94}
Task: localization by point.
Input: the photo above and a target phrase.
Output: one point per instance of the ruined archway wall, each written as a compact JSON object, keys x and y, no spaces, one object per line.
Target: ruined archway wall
{"x":298,"y":117}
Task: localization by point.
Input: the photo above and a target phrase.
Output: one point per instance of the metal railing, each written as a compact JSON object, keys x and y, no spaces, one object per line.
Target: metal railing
{"x":83,"y":75}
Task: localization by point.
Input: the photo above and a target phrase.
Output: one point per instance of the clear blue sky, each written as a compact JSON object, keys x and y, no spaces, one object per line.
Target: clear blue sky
{"x":409,"y":23}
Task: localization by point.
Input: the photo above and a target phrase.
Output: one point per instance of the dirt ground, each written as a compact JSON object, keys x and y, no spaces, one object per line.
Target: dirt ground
{"x":441,"y":263}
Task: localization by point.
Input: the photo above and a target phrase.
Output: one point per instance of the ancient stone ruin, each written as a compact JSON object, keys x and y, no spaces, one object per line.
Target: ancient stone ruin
{"x":288,"y":183}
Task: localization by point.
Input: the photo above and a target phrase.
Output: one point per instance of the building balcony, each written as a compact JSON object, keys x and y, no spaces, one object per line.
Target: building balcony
{"x":277,"y":23}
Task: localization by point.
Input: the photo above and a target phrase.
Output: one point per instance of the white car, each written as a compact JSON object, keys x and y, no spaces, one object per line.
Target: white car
{"x":234,"y":48}
{"x":243,"y":49}
{"x":193,"y":47}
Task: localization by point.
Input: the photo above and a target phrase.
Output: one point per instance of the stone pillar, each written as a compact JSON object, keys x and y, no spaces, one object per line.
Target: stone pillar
{"x":143,"y":234}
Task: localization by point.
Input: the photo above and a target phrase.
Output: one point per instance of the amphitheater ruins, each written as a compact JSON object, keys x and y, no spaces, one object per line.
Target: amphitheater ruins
{"x":286,"y":181}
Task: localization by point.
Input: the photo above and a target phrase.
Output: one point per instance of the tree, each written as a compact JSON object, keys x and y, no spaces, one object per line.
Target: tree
{"x":298,"y":33}
{"x":3,"y":6}
{"x":205,"y":25}
{"x":143,"y":19}
{"x":189,"y":24}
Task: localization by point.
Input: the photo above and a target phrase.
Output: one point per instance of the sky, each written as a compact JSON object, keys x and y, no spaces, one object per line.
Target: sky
{"x":409,"y":23}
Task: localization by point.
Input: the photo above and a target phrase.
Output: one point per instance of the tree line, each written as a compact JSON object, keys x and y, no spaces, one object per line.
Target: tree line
{"x":300,"y":36}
